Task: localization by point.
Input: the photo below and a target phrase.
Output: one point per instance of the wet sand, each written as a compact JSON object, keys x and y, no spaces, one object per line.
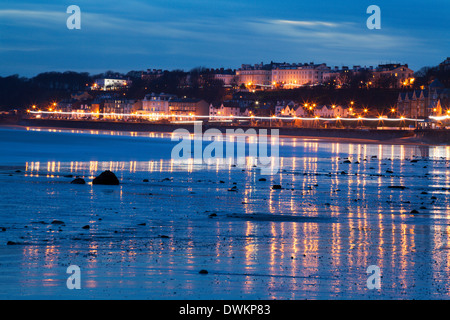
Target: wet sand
{"x":313,"y":239}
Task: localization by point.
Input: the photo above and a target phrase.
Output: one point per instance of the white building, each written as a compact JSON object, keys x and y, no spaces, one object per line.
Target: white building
{"x":118,"y":108}
{"x":227,"y":79}
{"x":110,"y":84}
{"x":225,"y":109}
{"x":285,"y":109}
{"x":340,"y":111}
{"x":294,"y":75}
{"x":157,"y":104}
{"x":324,"y":112}
{"x":257,"y":75}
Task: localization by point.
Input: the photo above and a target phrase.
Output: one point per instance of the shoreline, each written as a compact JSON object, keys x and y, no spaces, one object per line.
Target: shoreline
{"x":364,"y":136}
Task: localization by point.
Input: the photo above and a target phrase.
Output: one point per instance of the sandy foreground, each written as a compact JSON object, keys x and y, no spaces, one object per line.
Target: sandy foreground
{"x":313,"y":239}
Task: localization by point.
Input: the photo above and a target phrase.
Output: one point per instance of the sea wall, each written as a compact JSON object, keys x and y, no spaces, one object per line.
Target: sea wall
{"x":433,"y":136}
{"x":366,"y":134}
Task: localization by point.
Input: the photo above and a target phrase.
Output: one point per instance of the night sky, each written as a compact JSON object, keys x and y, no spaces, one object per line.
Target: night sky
{"x":183,"y":34}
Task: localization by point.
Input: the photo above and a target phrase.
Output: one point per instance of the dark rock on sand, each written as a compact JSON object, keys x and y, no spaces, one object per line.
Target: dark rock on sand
{"x":57,"y":222}
{"x":414,"y":212}
{"x":145,"y":180}
{"x":203,"y":271}
{"x":86,"y":227}
{"x":213,"y":215}
{"x":106,"y":178}
{"x":262,"y":179}
{"x":78,"y":181}
{"x":11,"y":243}
{"x":276,"y":187}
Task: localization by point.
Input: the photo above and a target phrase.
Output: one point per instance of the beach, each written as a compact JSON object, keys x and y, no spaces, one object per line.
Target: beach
{"x":343,"y":206}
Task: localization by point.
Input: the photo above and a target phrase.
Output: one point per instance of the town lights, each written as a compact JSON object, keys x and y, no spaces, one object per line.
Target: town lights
{"x":365,"y":110}
{"x":392,"y":110}
{"x":251,"y":116}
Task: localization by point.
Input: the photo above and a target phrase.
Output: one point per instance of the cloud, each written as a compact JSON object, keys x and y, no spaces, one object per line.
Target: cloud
{"x":306,"y":23}
{"x":327,"y":34}
{"x":31,"y":17}
{"x":184,"y":34}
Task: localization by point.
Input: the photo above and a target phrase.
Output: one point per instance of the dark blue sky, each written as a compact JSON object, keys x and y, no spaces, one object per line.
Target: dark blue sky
{"x":136,"y":35}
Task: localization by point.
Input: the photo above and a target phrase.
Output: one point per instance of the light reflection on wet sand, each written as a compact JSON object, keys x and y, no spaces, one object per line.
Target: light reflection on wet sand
{"x":363,"y":223}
